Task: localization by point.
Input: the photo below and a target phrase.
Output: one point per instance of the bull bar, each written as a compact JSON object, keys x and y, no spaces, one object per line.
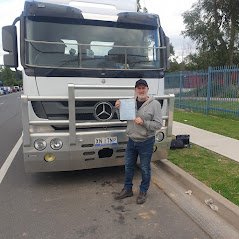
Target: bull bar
{"x":168,"y":119}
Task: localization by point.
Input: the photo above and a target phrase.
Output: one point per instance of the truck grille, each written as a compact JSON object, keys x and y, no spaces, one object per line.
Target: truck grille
{"x":85,"y":111}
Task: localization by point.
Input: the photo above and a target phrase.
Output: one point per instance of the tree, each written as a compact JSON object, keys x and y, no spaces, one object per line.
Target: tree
{"x":138,"y":6}
{"x":214,"y":25}
{"x":145,"y":10}
{"x":174,"y":65}
{"x":9,"y":77}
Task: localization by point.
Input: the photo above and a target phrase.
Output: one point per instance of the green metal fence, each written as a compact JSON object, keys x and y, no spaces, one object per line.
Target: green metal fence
{"x":214,"y":91}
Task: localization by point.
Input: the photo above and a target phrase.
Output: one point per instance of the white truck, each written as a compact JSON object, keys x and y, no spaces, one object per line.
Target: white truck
{"x":78,"y":58}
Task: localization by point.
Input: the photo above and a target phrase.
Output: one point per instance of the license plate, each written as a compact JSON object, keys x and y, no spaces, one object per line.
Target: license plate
{"x":105,"y":141}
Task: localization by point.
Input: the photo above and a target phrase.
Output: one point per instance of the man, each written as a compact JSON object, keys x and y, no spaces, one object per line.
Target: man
{"x":141,"y":133}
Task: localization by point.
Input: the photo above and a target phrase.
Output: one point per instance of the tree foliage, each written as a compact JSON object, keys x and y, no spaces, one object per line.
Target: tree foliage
{"x":214,"y":25}
{"x":138,"y":6}
{"x":9,"y":77}
{"x":174,"y":65}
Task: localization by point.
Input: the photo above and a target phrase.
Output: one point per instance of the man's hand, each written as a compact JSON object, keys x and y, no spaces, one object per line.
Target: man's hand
{"x":138,"y":121}
{"x":117,"y":104}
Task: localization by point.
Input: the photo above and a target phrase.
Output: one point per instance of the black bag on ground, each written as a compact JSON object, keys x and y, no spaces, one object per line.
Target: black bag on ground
{"x":184,"y":137}
{"x":177,"y":144}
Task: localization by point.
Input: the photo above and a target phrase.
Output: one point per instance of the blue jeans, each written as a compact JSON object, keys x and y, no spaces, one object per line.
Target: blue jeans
{"x":144,"y":150}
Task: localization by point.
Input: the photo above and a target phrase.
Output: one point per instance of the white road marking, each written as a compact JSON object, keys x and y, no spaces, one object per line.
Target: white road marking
{"x":9,"y":159}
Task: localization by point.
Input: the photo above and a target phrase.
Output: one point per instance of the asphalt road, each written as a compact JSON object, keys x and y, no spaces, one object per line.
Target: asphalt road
{"x":10,"y":123}
{"x":79,"y":204}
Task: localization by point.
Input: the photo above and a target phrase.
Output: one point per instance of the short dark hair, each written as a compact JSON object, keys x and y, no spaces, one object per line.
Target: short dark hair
{"x":141,"y":81}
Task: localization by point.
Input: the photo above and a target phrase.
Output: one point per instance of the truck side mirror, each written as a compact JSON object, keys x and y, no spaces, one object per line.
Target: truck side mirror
{"x":9,"y":44}
{"x":167,"y":52}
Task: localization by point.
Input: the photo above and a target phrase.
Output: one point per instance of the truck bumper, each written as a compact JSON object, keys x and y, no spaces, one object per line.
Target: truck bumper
{"x":84,"y":154}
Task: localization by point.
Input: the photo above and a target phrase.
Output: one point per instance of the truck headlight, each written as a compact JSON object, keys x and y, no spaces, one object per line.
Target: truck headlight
{"x":56,"y":144}
{"x":40,"y":144}
{"x":159,"y":136}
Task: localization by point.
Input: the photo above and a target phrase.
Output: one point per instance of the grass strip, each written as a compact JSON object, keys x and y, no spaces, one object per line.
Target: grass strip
{"x":226,"y":127}
{"x":217,"y":172}
{"x":227,"y":108}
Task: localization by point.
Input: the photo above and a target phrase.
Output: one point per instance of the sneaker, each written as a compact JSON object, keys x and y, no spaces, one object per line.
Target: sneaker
{"x":141,"y":198}
{"x":124,"y":194}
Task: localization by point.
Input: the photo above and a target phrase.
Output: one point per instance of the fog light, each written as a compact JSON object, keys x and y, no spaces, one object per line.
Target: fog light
{"x":40,"y":144}
{"x":49,"y":157}
{"x":56,"y":144}
{"x":159,"y":136}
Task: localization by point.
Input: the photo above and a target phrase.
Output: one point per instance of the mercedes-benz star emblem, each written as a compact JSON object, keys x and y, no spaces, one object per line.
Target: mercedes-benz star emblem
{"x":103,"y":111}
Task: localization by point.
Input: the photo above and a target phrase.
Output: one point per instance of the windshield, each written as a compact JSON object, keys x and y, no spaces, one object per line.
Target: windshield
{"x":85,"y":44}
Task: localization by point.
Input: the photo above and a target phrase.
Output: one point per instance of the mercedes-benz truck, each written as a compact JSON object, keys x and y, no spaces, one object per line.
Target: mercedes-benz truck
{"x":78,"y":58}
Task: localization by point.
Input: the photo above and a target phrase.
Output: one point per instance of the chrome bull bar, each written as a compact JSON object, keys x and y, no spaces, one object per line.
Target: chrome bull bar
{"x":71,"y":107}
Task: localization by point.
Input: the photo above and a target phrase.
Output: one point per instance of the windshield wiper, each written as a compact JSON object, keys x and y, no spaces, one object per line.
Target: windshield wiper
{"x":69,"y":61}
{"x":65,"y":62}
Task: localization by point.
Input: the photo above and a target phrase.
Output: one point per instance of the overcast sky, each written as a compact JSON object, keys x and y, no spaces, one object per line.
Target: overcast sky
{"x":169,"y":11}
{"x":170,"y":14}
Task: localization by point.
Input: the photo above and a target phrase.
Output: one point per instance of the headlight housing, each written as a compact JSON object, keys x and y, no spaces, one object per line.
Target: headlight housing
{"x":56,"y":144}
{"x":40,"y":144}
{"x":159,"y":136}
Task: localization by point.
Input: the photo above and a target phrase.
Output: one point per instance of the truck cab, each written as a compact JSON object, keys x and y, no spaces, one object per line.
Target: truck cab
{"x":79,"y":57}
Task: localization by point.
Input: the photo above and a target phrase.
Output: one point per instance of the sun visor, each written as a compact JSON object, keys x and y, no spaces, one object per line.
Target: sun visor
{"x":139,"y":18}
{"x":51,"y":10}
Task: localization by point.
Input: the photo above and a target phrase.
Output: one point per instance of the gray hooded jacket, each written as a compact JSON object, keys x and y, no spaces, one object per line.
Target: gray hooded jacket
{"x":150,"y":112}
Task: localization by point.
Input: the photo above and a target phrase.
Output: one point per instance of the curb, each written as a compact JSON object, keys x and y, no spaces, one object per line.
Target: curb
{"x":227,"y":210}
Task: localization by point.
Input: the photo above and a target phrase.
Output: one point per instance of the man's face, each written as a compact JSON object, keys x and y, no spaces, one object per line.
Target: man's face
{"x":141,"y":91}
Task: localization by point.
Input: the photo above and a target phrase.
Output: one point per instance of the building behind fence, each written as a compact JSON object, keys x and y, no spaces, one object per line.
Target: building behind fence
{"x":214,"y":91}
